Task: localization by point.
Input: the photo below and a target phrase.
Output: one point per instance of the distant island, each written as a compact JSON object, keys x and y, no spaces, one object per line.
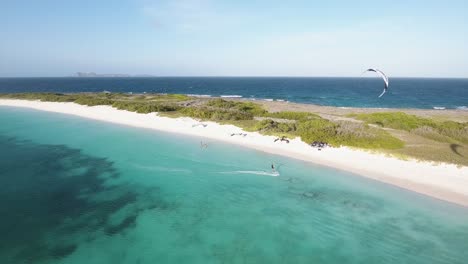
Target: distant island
{"x":108,"y":75}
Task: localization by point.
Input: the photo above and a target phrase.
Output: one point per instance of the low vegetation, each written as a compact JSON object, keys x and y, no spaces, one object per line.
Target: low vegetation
{"x":206,"y":113}
{"x":443,"y":131}
{"x":145,"y":107}
{"x":291,"y":115}
{"x":244,"y":107}
{"x":46,"y":97}
{"x":90,"y":101}
{"x":395,"y":120}
{"x":397,"y":133}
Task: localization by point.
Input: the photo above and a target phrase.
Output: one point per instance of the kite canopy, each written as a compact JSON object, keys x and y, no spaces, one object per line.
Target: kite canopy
{"x":384,"y":77}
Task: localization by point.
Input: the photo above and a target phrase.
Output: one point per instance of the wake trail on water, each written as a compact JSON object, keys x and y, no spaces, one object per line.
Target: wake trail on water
{"x":263,"y":173}
{"x":161,"y":168}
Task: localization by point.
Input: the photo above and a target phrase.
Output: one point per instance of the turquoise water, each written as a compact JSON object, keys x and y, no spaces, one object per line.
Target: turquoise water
{"x":74,"y":190}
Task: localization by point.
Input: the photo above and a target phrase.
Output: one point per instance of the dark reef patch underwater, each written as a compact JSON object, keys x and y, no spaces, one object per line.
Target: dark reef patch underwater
{"x":52,"y":195}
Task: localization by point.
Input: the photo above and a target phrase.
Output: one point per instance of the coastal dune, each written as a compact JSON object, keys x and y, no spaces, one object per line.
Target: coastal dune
{"x":443,"y":181}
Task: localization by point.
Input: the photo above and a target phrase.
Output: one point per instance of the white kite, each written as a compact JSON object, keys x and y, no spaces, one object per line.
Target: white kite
{"x":384,"y":77}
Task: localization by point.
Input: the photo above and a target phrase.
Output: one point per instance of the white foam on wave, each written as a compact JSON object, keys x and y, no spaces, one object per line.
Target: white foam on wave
{"x":263,"y":173}
{"x":268,"y":100}
{"x":199,"y":95}
{"x":462,"y":107}
{"x":231,"y":96}
{"x":439,"y":108}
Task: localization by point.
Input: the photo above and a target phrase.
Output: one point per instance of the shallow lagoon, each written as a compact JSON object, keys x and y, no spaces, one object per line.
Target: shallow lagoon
{"x":74,"y":190}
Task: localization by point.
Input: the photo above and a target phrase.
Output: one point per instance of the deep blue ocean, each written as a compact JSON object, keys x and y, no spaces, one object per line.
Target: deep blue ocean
{"x":425,"y":93}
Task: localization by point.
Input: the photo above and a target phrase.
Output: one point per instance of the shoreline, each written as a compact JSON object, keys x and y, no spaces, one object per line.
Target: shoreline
{"x":446,"y":182}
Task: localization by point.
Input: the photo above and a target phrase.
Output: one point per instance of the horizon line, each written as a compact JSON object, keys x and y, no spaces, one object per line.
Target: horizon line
{"x":227,"y":76}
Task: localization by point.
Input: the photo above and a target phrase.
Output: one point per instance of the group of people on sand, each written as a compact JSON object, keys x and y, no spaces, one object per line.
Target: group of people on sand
{"x":319,"y":144}
{"x":281,"y":139}
{"x":238,"y":134}
{"x":199,"y":124}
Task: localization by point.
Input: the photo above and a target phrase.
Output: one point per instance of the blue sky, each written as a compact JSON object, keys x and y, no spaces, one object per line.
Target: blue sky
{"x":234,"y":38}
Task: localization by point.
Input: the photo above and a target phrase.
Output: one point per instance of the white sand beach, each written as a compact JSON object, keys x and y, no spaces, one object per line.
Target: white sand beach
{"x":443,"y":181}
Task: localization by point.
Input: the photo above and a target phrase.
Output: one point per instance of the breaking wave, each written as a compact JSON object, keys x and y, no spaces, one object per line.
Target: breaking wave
{"x":231,"y":96}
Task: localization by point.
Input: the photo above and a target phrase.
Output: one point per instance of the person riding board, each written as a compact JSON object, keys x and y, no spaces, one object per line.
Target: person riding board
{"x":203,"y":145}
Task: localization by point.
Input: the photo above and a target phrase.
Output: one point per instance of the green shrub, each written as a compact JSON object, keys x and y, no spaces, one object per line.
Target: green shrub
{"x":248,"y":107}
{"x":345,"y":133}
{"x":446,"y":131}
{"x":292,"y":115}
{"x":395,"y":120}
{"x":361,"y":135}
{"x":177,"y":97}
{"x":46,"y":97}
{"x":431,"y":133}
{"x":113,"y":95}
{"x":215,"y":114}
{"x":316,"y":130}
{"x":455,"y":130}
{"x":144,"y":107}
{"x":272,"y":127}
{"x":90,"y":101}
{"x":221,"y":103}
{"x":197,"y":112}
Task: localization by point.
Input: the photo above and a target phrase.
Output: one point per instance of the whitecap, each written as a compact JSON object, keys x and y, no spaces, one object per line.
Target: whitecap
{"x":231,"y":96}
{"x":439,"y":108}
{"x":462,"y":107}
{"x":199,"y":95}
